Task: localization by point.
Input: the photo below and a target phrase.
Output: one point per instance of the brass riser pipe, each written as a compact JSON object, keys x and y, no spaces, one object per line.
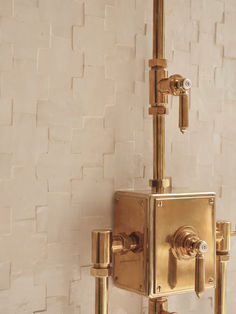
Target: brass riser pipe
{"x":158,"y":29}
{"x":101,"y":270}
{"x":158,"y":150}
{"x":220,"y":292}
{"x":223,"y":235}
{"x":101,"y":295}
{"x":158,"y":120}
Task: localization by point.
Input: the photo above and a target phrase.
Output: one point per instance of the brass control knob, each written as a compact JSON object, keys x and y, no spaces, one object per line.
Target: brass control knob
{"x":186,"y":244}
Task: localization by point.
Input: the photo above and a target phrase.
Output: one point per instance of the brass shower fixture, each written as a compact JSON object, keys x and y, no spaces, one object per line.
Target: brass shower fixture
{"x":163,"y":242}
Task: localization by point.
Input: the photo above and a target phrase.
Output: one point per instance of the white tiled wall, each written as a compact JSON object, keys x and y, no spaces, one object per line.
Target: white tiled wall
{"x":74,"y":127}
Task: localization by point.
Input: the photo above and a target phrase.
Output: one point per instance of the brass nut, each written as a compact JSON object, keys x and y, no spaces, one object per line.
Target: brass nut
{"x":101,"y":272}
{"x":224,"y":258}
{"x":158,"y":63}
{"x":211,"y":201}
{"x":158,"y":110}
{"x":164,"y":183}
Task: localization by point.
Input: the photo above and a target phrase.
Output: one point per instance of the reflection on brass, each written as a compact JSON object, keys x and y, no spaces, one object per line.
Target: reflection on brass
{"x":199,"y":274}
{"x":183,"y":111}
{"x":172,"y":270}
{"x":158,"y":217}
{"x":158,"y":306}
{"x":223,"y":244}
{"x":123,"y":243}
{"x":101,"y":259}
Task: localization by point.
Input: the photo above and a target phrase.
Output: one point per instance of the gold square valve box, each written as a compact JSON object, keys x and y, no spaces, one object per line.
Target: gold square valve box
{"x":154,"y":271}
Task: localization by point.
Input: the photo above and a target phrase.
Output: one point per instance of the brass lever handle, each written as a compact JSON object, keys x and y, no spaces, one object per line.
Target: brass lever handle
{"x":199,"y":274}
{"x":186,"y":244}
{"x":177,"y":85}
{"x":183,"y":111}
{"x":201,"y":248}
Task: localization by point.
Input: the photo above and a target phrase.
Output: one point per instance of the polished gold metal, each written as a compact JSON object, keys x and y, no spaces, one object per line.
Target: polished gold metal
{"x":158,"y":306}
{"x":153,"y":271}
{"x":186,"y":244}
{"x":233,"y":234}
{"x":223,"y":230}
{"x":101,"y":270}
{"x":123,"y":243}
{"x":160,"y":87}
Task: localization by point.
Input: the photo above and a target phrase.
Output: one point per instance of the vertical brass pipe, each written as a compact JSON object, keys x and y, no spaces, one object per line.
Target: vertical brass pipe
{"x":158,"y":72}
{"x":158,"y":152}
{"x":220,"y":290}
{"x":223,"y":232}
{"x":101,"y":295}
{"x":101,"y":270}
{"x":158,"y":306}
{"x":158,"y":29}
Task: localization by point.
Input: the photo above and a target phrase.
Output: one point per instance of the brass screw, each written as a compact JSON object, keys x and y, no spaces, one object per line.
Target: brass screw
{"x":211,"y":201}
{"x":211,"y":280}
{"x":141,"y":203}
{"x":160,"y":204}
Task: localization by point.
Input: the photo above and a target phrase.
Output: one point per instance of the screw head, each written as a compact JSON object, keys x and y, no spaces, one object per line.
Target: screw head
{"x":159,"y":288}
{"x":203,"y":247}
{"x":211,"y":201}
{"x":160,"y":204}
{"x":187,"y":84}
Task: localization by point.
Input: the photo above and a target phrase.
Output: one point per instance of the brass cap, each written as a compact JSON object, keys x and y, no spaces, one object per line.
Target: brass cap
{"x":223,"y":229}
{"x":101,"y":248}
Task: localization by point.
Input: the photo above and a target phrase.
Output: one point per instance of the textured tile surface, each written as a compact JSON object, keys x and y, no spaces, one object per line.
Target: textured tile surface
{"x":74,"y":127}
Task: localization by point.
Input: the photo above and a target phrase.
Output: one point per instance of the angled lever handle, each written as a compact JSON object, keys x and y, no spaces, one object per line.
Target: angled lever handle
{"x":186,"y":244}
{"x":184,"y":100}
{"x":199,"y":275}
{"x":177,"y":85}
{"x":201,"y":248}
{"x":183,"y":111}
